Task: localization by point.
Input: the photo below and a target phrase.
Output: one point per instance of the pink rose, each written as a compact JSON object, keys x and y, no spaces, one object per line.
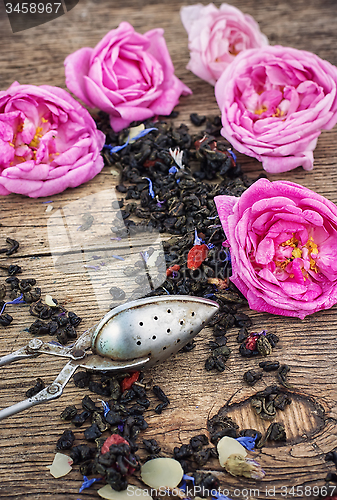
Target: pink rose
{"x":128,"y":75}
{"x":283,"y":244}
{"x":216,"y":36}
{"x":274,"y":102}
{"x":48,"y":141}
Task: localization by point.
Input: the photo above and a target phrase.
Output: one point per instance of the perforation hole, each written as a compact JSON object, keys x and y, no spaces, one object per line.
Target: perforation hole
{"x":169,"y":310}
{"x":155,"y":318}
{"x":193,"y":313}
{"x":139,"y":342}
{"x":181,"y":322}
{"x":191,"y":332}
{"x":141,"y":323}
{"x":164,"y":348}
{"x":178,"y":340}
{"x":168,"y":330}
{"x":154,"y":337}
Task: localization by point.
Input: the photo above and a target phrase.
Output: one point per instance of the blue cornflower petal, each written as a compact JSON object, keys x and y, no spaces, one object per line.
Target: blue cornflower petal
{"x":151,"y":192}
{"x":173,"y":170}
{"x":117,"y":257}
{"x":247,"y":442}
{"x":115,"y":149}
{"x":189,"y":478}
{"x":106,"y":407}
{"x":183,"y":486}
{"x":233,"y":155}
{"x":143,"y":132}
{"x":197,"y":240}
{"x":18,"y":300}
{"x":88,"y":482}
{"x":227,"y":255}
{"x":185,"y":478}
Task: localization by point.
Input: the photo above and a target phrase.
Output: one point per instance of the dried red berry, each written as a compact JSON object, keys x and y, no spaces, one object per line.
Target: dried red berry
{"x":196,"y":256}
{"x":113,"y":439}
{"x":149,"y":163}
{"x":171,"y":269}
{"x":128,"y":381}
{"x":251,"y":340}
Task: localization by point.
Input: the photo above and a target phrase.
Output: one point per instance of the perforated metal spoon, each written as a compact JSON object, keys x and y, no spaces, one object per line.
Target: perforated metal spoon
{"x":133,"y":336}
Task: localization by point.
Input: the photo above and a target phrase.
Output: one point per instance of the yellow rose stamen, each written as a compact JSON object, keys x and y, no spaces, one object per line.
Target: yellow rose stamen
{"x":261,"y":110}
{"x":311,"y":246}
{"x":282,"y":264}
{"x":296,"y":253}
{"x":293,"y":242}
{"x":36,"y":139}
{"x":278,"y":113}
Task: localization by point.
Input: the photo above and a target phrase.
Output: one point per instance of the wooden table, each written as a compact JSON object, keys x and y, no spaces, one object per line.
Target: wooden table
{"x":28,"y":439}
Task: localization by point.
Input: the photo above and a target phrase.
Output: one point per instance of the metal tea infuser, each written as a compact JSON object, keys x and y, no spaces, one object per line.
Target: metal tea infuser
{"x":133,"y":336}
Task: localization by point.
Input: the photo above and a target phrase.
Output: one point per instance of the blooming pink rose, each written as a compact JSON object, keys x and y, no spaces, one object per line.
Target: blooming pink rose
{"x":48,"y":141}
{"x":283,"y":245}
{"x":274,"y":102}
{"x":216,"y":36}
{"x":128,"y":75}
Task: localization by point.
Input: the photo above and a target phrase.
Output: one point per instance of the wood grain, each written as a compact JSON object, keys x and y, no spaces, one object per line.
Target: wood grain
{"x":27,"y":441}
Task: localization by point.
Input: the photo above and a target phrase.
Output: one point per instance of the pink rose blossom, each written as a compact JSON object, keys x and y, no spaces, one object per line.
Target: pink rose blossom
{"x":216,"y":36}
{"x":283,"y":245}
{"x":128,"y":75}
{"x":274,"y":102}
{"x":48,"y":141}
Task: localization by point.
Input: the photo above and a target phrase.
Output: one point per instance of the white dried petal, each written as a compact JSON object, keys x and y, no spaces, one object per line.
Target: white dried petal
{"x":50,"y":301}
{"x":134,"y":131}
{"x":237,"y":465}
{"x":131,"y":491}
{"x":49,"y":208}
{"x":162,"y":472}
{"x":177,"y":155}
{"x":61,"y":465}
{"x":228,"y":446}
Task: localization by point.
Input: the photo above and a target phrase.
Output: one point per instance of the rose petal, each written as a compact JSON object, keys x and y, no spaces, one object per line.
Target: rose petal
{"x":128,"y":75}
{"x":53,"y":135}
{"x":274,"y":103}
{"x":215,"y":36}
{"x":283,"y":240}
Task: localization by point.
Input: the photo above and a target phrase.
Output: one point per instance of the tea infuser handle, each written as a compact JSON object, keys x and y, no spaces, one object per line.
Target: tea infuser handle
{"x":51,"y":392}
{"x":17,"y":356}
{"x":36,"y":347}
{"x":42,"y":397}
